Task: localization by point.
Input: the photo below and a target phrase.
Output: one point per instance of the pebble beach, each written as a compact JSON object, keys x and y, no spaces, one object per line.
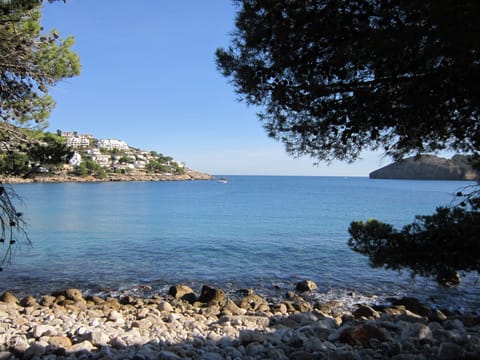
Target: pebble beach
{"x":211,"y":325}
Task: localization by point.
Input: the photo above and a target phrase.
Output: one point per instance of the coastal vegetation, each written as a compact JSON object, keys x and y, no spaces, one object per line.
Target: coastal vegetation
{"x":335,"y":78}
{"x":31,"y":62}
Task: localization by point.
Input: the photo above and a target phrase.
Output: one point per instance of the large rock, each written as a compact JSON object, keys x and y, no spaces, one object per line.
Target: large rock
{"x":412,"y":304}
{"x":253,"y":302}
{"x":306,"y":285}
{"x":8,"y":298}
{"x":182,"y":292}
{"x":211,"y":295}
{"x":362,"y":334}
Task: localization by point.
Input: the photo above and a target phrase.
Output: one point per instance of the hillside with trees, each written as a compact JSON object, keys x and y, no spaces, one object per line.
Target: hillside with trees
{"x":36,"y":155}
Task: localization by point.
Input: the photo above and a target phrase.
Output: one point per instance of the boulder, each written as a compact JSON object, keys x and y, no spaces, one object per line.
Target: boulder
{"x":366,"y":311}
{"x":412,"y":304}
{"x":74,"y":295}
{"x":62,"y":342}
{"x":306,"y":285}
{"x":232,"y":309}
{"x":28,"y":301}
{"x":450,"y":351}
{"x":8,"y":298}
{"x":362,"y":334}
{"x":182,"y":292}
{"x":253,"y":302}
{"x":211,"y":295}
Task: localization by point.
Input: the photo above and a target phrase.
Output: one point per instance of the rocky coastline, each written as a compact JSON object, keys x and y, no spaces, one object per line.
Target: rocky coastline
{"x":61,"y":178}
{"x":211,"y":325}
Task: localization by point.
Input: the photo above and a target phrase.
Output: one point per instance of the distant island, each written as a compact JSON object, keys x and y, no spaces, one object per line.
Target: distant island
{"x":428,"y":167}
{"x":28,"y":155}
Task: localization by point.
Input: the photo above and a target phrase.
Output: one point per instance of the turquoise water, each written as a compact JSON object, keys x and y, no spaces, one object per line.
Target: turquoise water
{"x":261,"y":232}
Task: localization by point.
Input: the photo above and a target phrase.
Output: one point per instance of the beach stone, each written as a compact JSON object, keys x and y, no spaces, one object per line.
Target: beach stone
{"x":437,"y":315}
{"x":232,"y":309}
{"x":63,"y":342}
{"x":82,"y":346}
{"x":6,"y":355}
{"x":97,"y":337}
{"x":74,"y":295}
{"x":413,"y":305}
{"x":28,"y":301}
{"x":417,"y":331}
{"x":19,"y":343}
{"x":306,"y":285}
{"x":211,"y":295}
{"x":8,"y":298}
{"x":182,"y":292}
{"x":165,"y":306}
{"x":362,"y":334}
{"x":366,"y":312}
{"x":411,"y":317}
{"x":35,"y":350}
{"x":115,"y":316}
{"x":44,"y":330}
{"x":279,"y":308}
{"x":167,"y":355}
{"x":450,"y":351}
{"x":47,"y":300}
{"x":111,"y":304}
{"x":253,"y":302}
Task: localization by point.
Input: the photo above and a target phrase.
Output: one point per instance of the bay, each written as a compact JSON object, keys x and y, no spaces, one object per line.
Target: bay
{"x":262,"y":232}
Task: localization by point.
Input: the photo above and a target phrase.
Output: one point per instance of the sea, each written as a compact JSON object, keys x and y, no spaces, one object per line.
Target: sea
{"x":261,"y":232}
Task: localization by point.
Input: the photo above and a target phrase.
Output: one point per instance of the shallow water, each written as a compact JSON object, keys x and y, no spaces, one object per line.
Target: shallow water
{"x":261,"y":232}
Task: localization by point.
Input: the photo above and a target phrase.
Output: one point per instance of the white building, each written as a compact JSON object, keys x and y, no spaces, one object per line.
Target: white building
{"x":76,"y":159}
{"x":102,"y":160}
{"x":80,"y":141}
{"x":111,"y":144}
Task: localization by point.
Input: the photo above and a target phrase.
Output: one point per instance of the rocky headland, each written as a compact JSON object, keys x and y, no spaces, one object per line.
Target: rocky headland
{"x":211,"y":325}
{"x":428,"y":167}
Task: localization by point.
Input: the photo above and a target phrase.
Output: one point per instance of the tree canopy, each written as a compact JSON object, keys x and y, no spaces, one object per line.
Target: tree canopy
{"x":31,"y":62}
{"x":335,"y":77}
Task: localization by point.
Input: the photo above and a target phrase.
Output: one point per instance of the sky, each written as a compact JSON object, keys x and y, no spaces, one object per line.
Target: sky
{"x":149,"y":78}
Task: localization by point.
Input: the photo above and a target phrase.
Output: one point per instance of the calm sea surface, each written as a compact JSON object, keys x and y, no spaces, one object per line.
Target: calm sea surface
{"x":266,"y":233}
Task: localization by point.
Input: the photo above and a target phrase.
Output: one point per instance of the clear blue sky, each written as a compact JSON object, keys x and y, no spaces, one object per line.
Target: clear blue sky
{"x":149,"y":78}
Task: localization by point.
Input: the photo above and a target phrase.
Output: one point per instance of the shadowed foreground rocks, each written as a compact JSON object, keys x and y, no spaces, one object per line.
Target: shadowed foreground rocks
{"x":182,"y":325}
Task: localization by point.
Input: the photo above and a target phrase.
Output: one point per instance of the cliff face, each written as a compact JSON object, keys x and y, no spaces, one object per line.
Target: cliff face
{"x":427,"y":167}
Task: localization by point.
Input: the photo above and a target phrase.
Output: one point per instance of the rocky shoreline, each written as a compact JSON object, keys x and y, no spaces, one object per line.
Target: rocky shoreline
{"x":61,"y":178}
{"x":211,"y":325}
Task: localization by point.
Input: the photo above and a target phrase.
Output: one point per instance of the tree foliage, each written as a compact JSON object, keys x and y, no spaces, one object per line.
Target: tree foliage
{"x":12,"y":226}
{"x":335,"y":77}
{"x":438,"y":245}
{"x":31,"y":62}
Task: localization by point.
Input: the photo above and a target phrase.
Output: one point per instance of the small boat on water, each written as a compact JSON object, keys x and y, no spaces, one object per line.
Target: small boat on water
{"x":223,"y":180}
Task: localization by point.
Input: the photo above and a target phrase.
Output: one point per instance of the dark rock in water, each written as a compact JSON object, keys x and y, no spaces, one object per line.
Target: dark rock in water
{"x":211,"y":295}
{"x":182,"y":292}
{"x":449,"y":278}
{"x":306,"y":285}
{"x":427,"y":167}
